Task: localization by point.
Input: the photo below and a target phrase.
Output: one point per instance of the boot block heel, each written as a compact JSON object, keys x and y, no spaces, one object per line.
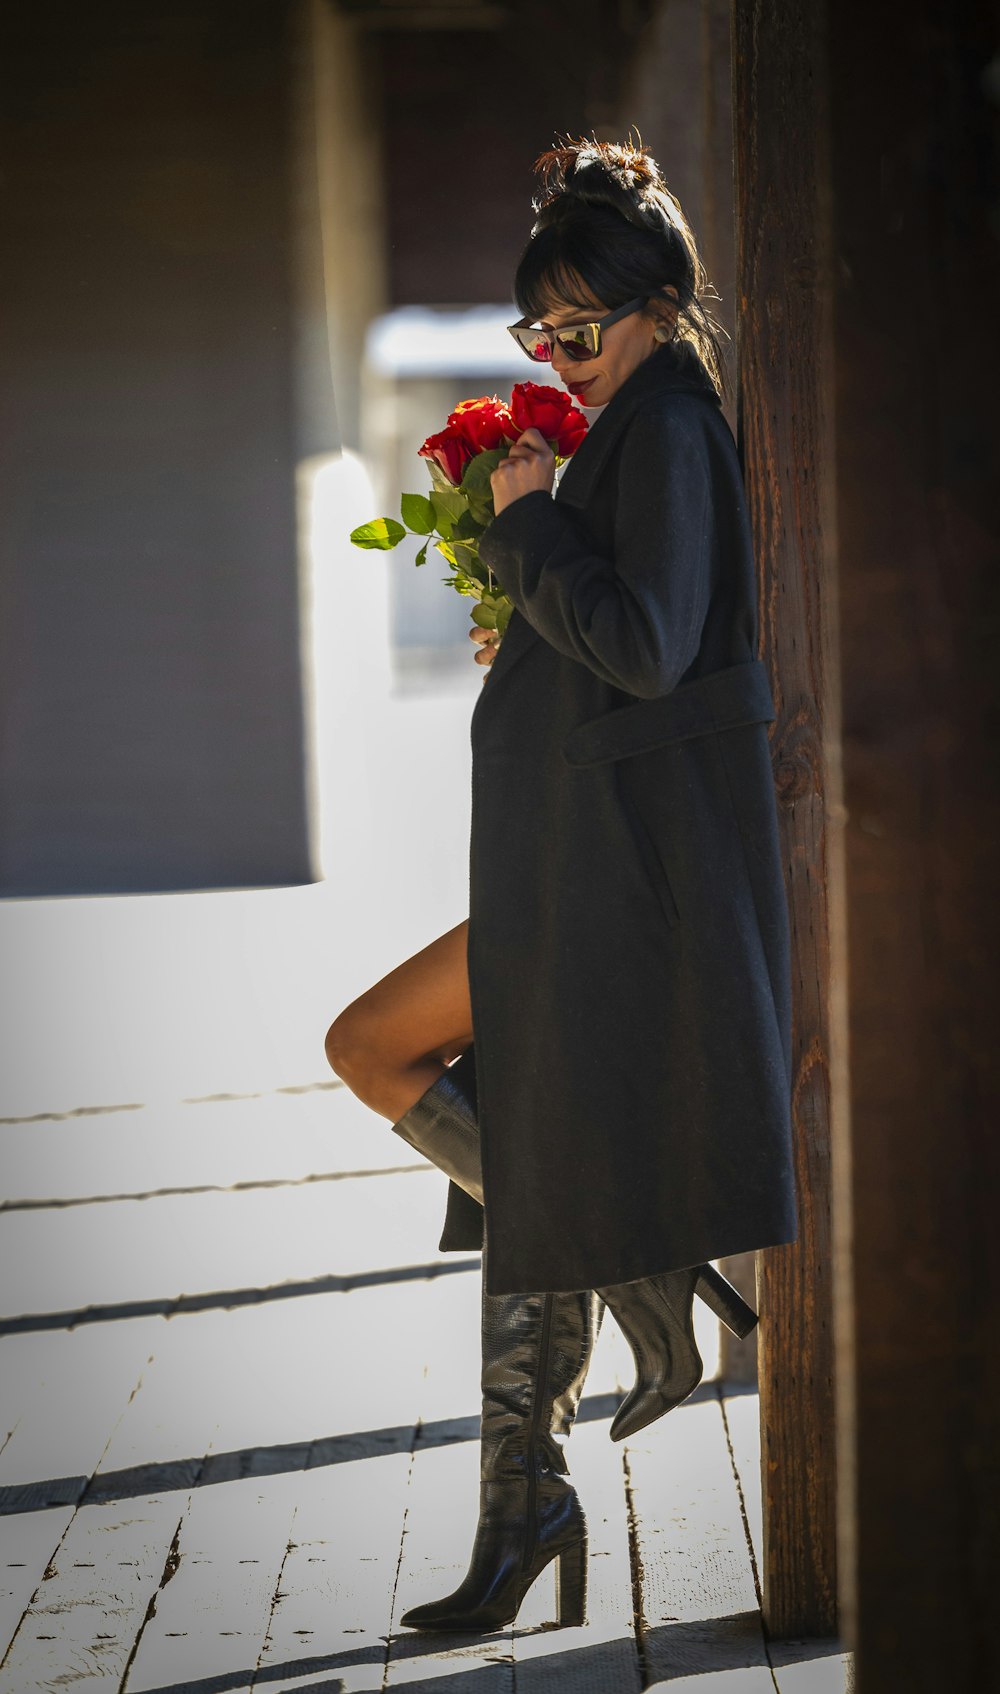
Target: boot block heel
{"x":724,"y":1300}
{"x":571,"y":1585}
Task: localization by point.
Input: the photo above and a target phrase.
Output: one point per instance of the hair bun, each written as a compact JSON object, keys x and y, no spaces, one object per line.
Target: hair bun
{"x":601,"y":173}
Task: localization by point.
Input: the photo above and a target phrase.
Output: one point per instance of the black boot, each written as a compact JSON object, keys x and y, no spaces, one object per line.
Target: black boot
{"x":536,"y":1351}
{"x":655,"y":1316}
{"x":443,"y":1126}
{"x":654,"y":1313}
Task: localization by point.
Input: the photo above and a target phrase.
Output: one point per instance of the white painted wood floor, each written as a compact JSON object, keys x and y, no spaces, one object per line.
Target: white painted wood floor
{"x":238,"y":1433}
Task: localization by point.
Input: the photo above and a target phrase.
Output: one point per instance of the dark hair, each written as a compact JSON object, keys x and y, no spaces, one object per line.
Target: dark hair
{"x":606,"y":218}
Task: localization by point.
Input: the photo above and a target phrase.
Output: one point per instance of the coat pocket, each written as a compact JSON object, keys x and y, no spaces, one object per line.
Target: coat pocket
{"x":647,"y":852}
{"x":740,"y":694}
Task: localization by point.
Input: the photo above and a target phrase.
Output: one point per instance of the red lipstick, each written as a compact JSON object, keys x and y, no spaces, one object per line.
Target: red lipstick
{"x":578,"y":387}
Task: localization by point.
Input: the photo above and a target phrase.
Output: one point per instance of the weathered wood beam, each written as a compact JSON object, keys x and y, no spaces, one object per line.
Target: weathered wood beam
{"x":783,"y":432}
{"x":916,"y":215}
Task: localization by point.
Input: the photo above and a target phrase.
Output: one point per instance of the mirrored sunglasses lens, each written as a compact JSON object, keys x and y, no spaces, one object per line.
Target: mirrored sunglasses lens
{"x":578,"y":343}
{"x":535,"y":345}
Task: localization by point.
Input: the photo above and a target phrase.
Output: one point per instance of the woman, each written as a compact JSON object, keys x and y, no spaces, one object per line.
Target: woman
{"x":599,"y":1058}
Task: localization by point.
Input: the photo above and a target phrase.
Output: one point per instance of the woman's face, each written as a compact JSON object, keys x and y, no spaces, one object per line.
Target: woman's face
{"x":624,"y":346}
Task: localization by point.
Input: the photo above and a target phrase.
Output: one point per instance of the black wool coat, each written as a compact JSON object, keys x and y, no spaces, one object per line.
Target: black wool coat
{"x":628,"y":929}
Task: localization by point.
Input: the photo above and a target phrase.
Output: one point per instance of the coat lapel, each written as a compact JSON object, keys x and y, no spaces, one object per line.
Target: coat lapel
{"x":674,"y":366}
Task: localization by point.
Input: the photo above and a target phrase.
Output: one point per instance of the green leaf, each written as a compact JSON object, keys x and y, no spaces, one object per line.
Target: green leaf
{"x":445,"y":548}
{"x":448,"y":509}
{"x":485,"y":616}
{"x":504,"y":611}
{"x":476,"y":480}
{"x":463,"y":584}
{"x":476,"y":484}
{"x":438,"y":477}
{"x":466,"y":556}
{"x":468,"y":528}
{"x":418,"y":513}
{"x":421,"y":558}
{"x":382,"y":533}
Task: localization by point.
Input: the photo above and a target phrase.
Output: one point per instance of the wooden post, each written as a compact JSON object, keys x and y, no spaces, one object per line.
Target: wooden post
{"x":783,"y":433}
{"x":916,"y":214}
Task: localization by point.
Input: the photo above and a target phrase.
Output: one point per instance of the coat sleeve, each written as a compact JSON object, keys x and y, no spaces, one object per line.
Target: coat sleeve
{"x":635,"y":620}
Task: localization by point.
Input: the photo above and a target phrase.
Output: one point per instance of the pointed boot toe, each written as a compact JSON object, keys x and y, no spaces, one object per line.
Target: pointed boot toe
{"x":645,"y":1404}
{"x":447,"y":1614}
{"x":655,"y":1316}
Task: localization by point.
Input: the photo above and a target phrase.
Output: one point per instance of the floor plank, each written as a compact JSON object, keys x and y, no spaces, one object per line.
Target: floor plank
{"x":45,"y":1466}
{"x":333,"y":1609}
{"x":737,"y":1680}
{"x":741,"y":1410}
{"x":211,"y":1615}
{"x":23,"y":1360}
{"x":812,"y":1667}
{"x":234,"y":1243}
{"x":274,"y":1138}
{"x":602,"y":1655}
{"x":313,"y":1402}
{"x":96,"y":1370}
{"x":116,"y":1552}
{"x":357,"y":1375}
{"x":82,"y":1622}
{"x":699,"y":1604}
{"x":28,"y":1541}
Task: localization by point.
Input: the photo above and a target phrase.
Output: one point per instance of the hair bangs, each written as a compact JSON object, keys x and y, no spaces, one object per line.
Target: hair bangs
{"x":564,"y":265}
{"x":548,"y":276}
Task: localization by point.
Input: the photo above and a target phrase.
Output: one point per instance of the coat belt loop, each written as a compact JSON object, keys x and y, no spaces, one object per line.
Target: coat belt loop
{"x":740,"y":694}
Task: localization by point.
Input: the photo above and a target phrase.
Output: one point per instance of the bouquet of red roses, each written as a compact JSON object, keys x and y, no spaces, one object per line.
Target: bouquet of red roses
{"x":461,"y":459}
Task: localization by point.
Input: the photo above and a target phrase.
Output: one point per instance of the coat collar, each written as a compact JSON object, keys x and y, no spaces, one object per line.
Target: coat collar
{"x":673,"y":368}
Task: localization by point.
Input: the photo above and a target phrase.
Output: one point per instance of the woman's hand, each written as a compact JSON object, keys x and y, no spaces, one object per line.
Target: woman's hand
{"x":489,"y":640}
{"x":530,"y":465}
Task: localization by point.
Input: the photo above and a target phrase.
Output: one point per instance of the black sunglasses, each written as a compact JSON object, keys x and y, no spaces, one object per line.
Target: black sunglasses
{"x":579,"y":341}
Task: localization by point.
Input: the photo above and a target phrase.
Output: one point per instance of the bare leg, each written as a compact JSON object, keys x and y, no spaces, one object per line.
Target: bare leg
{"x":392,"y":1042}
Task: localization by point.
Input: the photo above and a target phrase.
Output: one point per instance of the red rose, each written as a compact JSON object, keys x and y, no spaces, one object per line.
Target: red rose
{"x":551,"y":412}
{"x":451,"y":449}
{"x":485,"y":423}
{"x":574,"y":428}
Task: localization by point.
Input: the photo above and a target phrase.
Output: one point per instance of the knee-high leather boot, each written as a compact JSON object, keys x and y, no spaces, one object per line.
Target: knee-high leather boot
{"x":654,"y":1313}
{"x":536,"y":1351}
